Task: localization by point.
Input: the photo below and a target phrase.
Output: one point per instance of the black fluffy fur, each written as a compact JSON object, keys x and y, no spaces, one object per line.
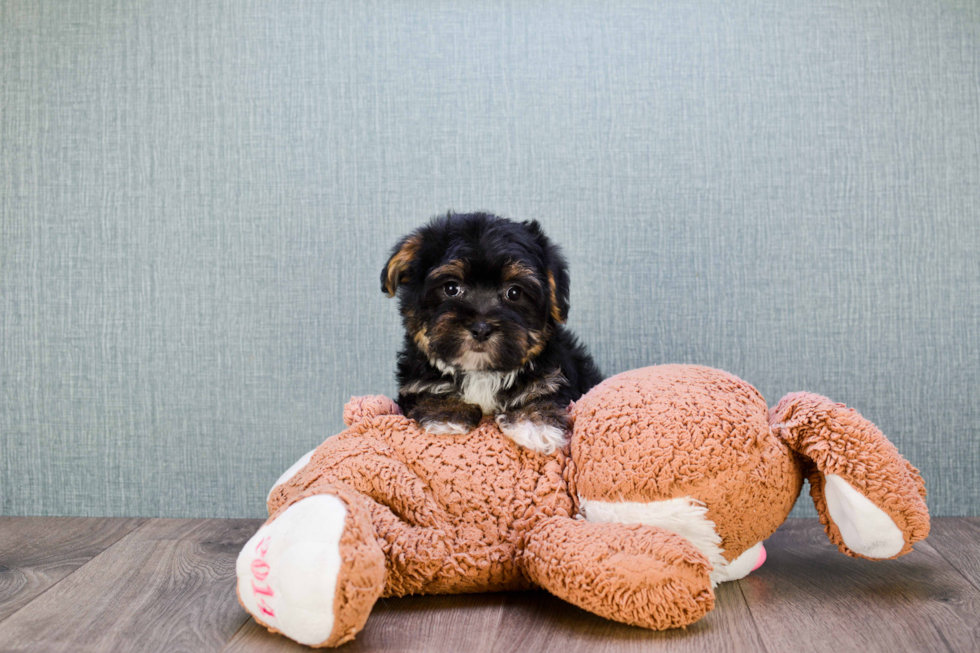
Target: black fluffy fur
{"x":527,"y":336}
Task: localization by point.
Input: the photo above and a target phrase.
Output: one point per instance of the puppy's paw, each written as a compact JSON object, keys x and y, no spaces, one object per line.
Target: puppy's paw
{"x":444,"y":428}
{"x":446,"y":416}
{"x":542,"y":428}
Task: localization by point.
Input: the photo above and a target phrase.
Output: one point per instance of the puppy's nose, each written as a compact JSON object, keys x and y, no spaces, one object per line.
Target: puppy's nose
{"x":481,"y":331}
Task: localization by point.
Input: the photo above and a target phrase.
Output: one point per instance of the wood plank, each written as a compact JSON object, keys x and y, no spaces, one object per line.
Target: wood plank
{"x":810,"y":597}
{"x":537,"y":621}
{"x":415,"y":623}
{"x":166,"y":586}
{"x":958,"y":540}
{"x":521,"y":622}
{"x":37,"y":552}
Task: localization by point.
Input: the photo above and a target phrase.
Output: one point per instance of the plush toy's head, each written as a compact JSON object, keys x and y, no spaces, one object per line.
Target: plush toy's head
{"x":696,"y":449}
{"x":684,"y":446}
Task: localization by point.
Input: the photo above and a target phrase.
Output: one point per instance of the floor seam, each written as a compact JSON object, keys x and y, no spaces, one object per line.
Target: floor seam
{"x":755,"y":623}
{"x":939,"y":550}
{"x":248,"y":620}
{"x":142,"y":522}
{"x":942,"y":637}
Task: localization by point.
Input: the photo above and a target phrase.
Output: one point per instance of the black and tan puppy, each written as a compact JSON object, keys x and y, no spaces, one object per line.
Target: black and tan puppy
{"x":483,"y":300}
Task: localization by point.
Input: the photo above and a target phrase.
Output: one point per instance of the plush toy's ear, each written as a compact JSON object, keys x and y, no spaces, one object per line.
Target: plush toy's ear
{"x":396,"y":269}
{"x":366,"y":407}
{"x":556,"y":270}
{"x":871,"y":501}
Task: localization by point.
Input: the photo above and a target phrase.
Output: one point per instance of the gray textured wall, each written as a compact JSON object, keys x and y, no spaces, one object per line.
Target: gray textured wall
{"x":196,"y":199}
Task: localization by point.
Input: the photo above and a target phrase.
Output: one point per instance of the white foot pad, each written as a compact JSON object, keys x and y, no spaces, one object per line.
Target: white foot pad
{"x":287,"y":573}
{"x":866,"y":528}
{"x":531,"y":435}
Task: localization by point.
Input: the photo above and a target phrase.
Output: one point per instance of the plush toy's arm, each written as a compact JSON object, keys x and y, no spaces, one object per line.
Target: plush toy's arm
{"x":632,"y":573}
{"x":870,"y":499}
{"x":351,"y":525}
{"x":364,"y":464}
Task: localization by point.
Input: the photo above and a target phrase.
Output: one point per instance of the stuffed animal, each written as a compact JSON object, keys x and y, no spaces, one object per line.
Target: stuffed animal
{"x":673,"y":477}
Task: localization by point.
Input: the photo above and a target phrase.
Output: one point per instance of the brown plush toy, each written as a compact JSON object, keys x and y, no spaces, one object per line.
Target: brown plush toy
{"x":673,"y":477}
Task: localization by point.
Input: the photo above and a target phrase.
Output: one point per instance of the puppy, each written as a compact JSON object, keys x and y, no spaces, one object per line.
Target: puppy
{"x":483,"y":300}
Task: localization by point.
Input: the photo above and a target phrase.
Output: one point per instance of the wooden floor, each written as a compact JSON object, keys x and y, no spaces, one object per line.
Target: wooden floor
{"x":71,"y":584}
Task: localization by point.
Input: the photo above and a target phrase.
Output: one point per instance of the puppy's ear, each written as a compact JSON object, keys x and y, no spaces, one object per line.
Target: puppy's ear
{"x":396,"y":269}
{"x":556,"y":269}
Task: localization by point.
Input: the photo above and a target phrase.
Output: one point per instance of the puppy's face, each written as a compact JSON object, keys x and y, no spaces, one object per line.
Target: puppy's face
{"x":478,"y":292}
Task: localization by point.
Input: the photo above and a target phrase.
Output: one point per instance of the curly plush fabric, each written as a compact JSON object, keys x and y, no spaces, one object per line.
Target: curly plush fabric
{"x":451,"y":512}
{"x":840,"y":441}
{"x":671,"y":431}
{"x":362,"y":575}
{"x":591,"y":564}
{"x":361,"y":408}
{"x":672,"y":478}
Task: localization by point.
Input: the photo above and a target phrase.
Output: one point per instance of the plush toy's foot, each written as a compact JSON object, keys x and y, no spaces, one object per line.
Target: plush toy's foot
{"x":750,"y":560}
{"x":870,"y":499}
{"x":632,"y":573}
{"x":312,"y":572}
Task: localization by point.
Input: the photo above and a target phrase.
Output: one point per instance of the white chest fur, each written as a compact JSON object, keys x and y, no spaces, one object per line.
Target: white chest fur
{"x":482,"y":388}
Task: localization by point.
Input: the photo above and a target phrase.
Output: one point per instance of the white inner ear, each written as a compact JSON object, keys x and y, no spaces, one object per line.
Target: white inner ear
{"x":866,"y":528}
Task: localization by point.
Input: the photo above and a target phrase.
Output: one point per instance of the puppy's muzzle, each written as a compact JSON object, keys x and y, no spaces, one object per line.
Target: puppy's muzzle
{"x":481,"y":331}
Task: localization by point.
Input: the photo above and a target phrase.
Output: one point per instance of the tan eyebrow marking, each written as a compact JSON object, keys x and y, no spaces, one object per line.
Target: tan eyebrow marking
{"x":455,"y":268}
{"x":517,"y":270}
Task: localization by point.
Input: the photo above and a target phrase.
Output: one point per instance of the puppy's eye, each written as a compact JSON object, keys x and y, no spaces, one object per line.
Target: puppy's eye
{"x":452,"y":289}
{"x":514,"y":293}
